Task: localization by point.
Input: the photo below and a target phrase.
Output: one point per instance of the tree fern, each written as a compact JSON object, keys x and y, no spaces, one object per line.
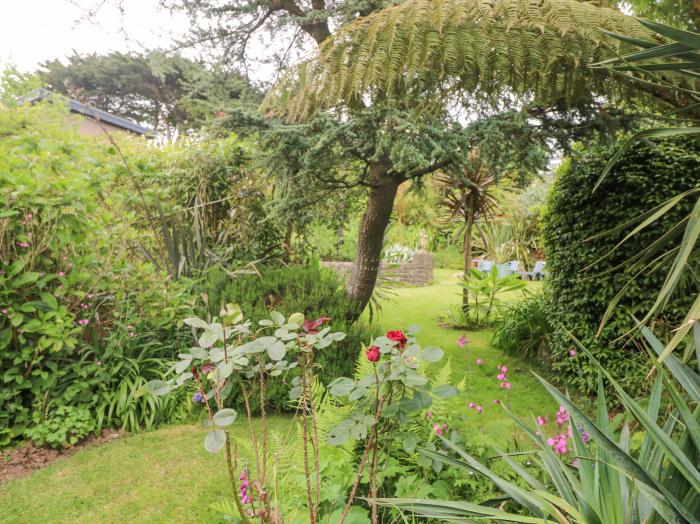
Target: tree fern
{"x":537,"y":49}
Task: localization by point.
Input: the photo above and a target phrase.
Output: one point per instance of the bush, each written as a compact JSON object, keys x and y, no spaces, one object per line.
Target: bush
{"x":645,"y":176}
{"x":525,"y":328}
{"x":72,"y":295}
{"x":312,"y":290}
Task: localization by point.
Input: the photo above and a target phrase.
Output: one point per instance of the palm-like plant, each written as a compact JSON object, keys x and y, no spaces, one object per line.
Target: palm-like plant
{"x":608,"y":483}
{"x":535,"y":49}
{"x":468,"y":195}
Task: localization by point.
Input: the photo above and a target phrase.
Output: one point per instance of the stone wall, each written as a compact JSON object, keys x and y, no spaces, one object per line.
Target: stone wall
{"x":417,"y":272}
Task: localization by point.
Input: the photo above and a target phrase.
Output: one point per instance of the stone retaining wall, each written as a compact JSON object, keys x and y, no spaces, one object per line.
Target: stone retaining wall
{"x":417,"y":272}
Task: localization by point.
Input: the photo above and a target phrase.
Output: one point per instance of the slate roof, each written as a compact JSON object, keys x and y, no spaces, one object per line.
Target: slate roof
{"x":91,"y":112}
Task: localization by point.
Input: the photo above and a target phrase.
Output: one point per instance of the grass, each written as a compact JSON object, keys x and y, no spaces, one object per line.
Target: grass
{"x":166,"y":476}
{"x":423,"y":306}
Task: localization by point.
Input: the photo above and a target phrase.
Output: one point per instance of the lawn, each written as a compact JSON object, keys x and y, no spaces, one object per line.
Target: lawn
{"x":166,"y":476}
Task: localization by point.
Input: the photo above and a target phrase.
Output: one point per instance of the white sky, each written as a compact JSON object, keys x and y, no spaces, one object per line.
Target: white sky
{"x":32,"y":31}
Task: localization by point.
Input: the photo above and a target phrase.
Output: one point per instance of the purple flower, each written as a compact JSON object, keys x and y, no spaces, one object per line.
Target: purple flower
{"x":245,"y":484}
{"x":462,"y":340}
{"x":559,"y":443}
{"x":198,"y":397}
{"x":479,"y":410}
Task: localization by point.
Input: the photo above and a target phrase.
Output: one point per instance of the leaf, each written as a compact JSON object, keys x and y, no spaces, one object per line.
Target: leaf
{"x":432,"y":354}
{"x":49,"y":300}
{"x":159,"y":387}
{"x":183,"y":378}
{"x":277,"y":318}
{"x":207,"y":339}
{"x":276,"y":351}
{"x":296,"y":318}
{"x":341,"y":386}
{"x":410,"y":441}
{"x":182,"y":365}
{"x":445,"y":391}
{"x":225,"y":417}
{"x":196,"y":322}
{"x":215,"y":440}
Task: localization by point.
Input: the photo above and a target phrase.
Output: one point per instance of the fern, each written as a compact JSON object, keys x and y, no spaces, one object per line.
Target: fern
{"x":537,"y":49}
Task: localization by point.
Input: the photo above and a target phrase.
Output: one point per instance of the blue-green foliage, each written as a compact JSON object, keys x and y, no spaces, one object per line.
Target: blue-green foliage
{"x":311,"y":290}
{"x":645,"y":177}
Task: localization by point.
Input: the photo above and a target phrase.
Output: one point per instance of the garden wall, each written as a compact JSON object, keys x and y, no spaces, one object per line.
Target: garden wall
{"x":416,"y":272}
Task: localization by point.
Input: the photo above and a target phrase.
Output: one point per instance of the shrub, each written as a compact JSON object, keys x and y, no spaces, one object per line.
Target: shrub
{"x":72,"y":295}
{"x":524,"y":328}
{"x":646,"y":176}
{"x":312,"y":290}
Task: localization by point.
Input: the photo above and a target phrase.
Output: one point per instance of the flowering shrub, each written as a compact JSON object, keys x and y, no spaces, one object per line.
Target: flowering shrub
{"x":376,"y":406}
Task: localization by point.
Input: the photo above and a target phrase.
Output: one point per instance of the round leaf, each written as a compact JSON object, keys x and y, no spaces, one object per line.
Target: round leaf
{"x":215,"y":440}
{"x":225,"y":417}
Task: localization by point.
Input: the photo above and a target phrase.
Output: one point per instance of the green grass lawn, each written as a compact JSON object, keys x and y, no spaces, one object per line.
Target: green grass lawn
{"x":423,"y":306}
{"x":166,"y":476}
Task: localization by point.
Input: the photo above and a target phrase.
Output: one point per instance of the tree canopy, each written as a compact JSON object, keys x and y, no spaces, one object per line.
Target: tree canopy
{"x":445,"y":49}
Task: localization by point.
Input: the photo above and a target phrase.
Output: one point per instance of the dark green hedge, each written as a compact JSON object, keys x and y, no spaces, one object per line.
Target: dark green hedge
{"x":309,"y":289}
{"x":647,"y":175}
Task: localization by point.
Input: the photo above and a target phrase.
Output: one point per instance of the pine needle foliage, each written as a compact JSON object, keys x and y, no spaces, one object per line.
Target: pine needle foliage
{"x":532,"y":49}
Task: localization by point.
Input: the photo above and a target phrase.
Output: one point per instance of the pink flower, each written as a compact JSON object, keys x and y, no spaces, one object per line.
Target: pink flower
{"x":83,"y":321}
{"x":504,"y":369}
{"x":23,"y":244}
{"x":540,"y":421}
{"x":559,"y":443}
{"x":562,"y":416}
{"x":479,"y":410}
{"x":471,"y":405}
{"x":506,"y":385}
{"x":572,"y":352}
{"x":501,"y":376}
{"x":208,"y":368}
{"x":429,"y":414}
{"x":3,"y":311}
{"x":61,"y":274}
{"x":132,"y":334}
{"x":438,"y":429}
{"x":89,"y":296}
{"x":462,"y":340}
{"x":496,"y":401}
{"x":479,"y":362}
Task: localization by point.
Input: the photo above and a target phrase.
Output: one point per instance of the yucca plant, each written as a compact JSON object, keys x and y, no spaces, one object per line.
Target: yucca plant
{"x":602,"y":481}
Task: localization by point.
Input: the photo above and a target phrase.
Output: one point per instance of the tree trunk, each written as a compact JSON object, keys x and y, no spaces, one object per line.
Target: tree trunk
{"x":371,"y":236}
{"x":467,"y":252}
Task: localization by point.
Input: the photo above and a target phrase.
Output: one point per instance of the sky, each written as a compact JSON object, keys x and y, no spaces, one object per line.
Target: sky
{"x":32,"y":31}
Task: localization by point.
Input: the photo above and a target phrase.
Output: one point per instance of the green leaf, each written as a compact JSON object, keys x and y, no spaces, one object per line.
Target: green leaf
{"x":341,"y":386}
{"x":410,"y":441}
{"x":215,"y":440}
{"x":277,"y":350}
{"x":225,"y":417}
{"x":277,"y":318}
{"x":432,"y":354}
{"x":445,"y":391}
{"x":207,"y":339}
{"x":196,"y":322}
{"x":159,"y":387}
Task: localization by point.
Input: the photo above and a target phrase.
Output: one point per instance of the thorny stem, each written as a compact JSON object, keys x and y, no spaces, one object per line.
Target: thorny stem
{"x":250,"y":427}
{"x":232,"y":478}
{"x":361,"y":465}
{"x":263,"y":477}
{"x":375,"y":455}
{"x":305,"y":431}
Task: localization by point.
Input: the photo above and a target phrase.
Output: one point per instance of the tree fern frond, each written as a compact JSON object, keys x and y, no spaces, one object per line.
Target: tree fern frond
{"x":538,"y":49}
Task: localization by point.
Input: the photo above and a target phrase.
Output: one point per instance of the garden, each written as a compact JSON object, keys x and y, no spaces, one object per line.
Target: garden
{"x":443,"y":267}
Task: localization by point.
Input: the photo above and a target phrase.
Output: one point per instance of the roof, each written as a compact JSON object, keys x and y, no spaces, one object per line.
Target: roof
{"x":91,"y":112}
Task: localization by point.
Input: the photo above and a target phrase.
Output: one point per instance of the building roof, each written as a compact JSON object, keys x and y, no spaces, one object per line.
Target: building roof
{"x":91,"y":112}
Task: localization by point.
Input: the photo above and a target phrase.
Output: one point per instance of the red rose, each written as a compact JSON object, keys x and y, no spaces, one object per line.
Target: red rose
{"x":310,"y":326}
{"x":373,"y":354}
{"x":397,"y":336}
